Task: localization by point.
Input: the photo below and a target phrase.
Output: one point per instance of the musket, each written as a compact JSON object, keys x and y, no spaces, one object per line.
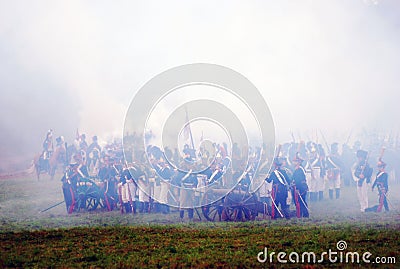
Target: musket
{"x":190,"y":129}
{"x":326,"y":143}
{"x":348,"y":138}
{"x":363,"y":168}
{"x":294,"y":140}
{"x":44,"y":210}
{"x":278,"y":150}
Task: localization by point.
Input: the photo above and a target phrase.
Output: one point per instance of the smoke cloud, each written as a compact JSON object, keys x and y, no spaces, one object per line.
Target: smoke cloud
{"x":321,"y":65}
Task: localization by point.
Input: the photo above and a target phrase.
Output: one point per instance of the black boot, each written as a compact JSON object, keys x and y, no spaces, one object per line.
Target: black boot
{"x":337,"y":193}
{"x":146,"y":207}
{"x":331,"y":194}
{"x":321,"y":196}
{"x":157,"y":208}
{"x":134,"y":207}
{"x":128,"y":208}
{"x":315,"y":196}
{"x":190,"y":213}
{"x":141,"y":207}
{"x":165,"y":209}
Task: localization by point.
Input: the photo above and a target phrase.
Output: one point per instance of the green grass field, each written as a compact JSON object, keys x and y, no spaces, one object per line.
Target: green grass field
{"x":29,"y":239}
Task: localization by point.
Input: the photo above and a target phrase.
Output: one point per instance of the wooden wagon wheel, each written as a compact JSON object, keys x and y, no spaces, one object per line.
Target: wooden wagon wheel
{"x":213,"y":206}
{"x":102,"y":189}
{"x":88,"y":195}
{"x":240,"y":206}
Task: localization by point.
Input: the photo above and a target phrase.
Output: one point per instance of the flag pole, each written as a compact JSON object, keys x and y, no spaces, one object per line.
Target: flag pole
{"x":190,"y":129}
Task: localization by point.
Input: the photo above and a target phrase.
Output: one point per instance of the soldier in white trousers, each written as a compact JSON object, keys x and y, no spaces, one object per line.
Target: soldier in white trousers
{"x":127,"y":191}
{"x":362,"y":175}
{"x":143,"y":191}
{"x":334,"y":167}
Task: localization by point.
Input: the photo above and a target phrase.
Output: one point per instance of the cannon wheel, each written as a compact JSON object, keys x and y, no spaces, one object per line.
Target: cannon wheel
{"x":88,"y":196}
{"x":240,"y":206}
{"x":213,"y":208}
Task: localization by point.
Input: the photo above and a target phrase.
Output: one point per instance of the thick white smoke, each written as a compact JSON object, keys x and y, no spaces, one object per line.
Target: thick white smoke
{"x":321,"y":65}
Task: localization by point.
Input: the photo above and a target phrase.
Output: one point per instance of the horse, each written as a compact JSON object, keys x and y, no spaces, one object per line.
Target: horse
{"x":50,"y":165}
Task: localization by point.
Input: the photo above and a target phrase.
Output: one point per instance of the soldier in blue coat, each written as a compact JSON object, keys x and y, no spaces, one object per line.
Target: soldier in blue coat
{"x":334,"y":166}
{"x":300,"y":186}
{"x":381,"y":182}
{"x":363,"y":173}
{"x":280,"y":186}
{"x":188,"y":182}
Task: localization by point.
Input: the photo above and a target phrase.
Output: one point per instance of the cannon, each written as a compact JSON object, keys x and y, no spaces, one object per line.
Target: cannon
{"x":232,"y":205}
{"x":85,"y":193}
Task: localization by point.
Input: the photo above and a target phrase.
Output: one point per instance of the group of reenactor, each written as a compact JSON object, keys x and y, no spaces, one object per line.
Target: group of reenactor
{"x":301,"y":176}
{"x":140,"y":188}
{"x":157,"y":186}
{"x":363,"y":175}
{"x":301,"y":173}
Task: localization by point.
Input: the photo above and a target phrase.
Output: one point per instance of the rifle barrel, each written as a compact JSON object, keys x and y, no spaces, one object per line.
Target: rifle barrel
{"x":44,"y":210}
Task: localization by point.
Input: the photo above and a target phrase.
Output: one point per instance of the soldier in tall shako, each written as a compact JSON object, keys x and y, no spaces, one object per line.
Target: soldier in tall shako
{"x":188,"y":182}
{"x":48,"y":146}
{"x":381,"y":182}
{"x":93,"y":154}
{"x":127,"y":190}
{"x":311,"y":169}
{"x":315,"y":175}
{"x":108,"y":174}
{"x":334,"y":166}
{"x":76,"y":170}
{"x":48,"y":149}
{"x":280,"y":186}
{"x":363,"y":173}
{"x":164,"y":175}
{"x":300,"y":188}
{"x":61,"y":149}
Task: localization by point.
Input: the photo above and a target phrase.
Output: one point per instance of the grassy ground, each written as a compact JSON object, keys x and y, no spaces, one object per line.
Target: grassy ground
{"x":108,"y":239}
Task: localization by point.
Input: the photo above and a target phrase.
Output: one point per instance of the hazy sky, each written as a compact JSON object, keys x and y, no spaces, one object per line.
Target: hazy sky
{"x":329,"y":65}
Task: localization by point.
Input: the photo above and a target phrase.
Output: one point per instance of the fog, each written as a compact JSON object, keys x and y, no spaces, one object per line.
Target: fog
{"x":320,"y":65}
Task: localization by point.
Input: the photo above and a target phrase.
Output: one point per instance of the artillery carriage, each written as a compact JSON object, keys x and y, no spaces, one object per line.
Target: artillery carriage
{"x":86,"y":193}
{"x":232,"y":205}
